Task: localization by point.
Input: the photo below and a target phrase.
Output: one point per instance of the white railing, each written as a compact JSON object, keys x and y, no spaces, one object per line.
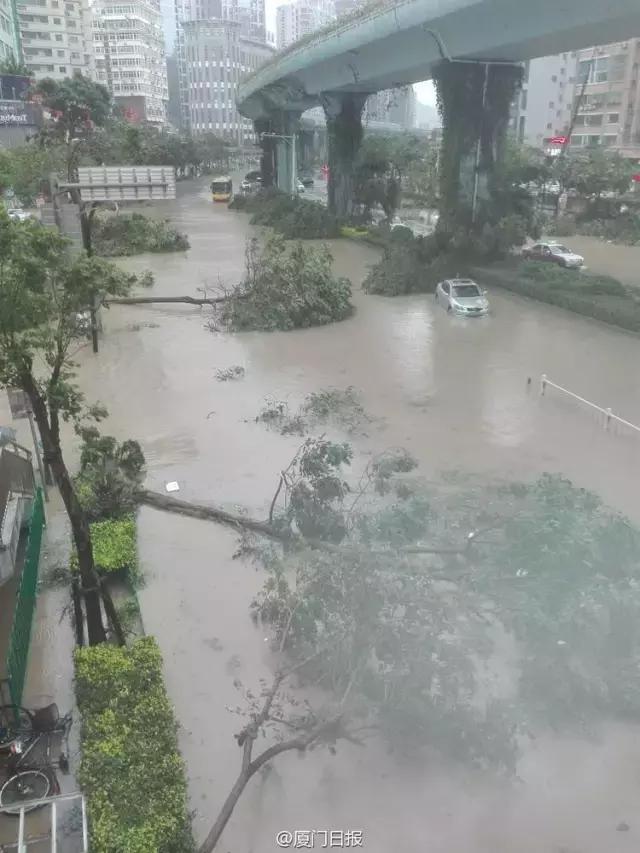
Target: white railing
{"x":23,"y":841}
{"x":608,"y":414}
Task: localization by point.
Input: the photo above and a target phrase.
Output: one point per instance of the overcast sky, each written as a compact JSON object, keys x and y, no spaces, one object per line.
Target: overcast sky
{"x":425,"y":91}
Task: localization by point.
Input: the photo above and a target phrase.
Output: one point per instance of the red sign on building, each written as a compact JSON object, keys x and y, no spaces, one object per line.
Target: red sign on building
{"x":559,"y":140}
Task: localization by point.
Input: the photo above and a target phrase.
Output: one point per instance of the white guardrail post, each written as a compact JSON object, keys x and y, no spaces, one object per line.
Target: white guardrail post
{"x":608,"y":413}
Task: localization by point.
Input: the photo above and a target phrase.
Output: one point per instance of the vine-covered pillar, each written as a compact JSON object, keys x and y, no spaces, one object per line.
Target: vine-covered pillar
{"x":474,"y":99}
{"x":285,"y":130}
{"x":267,"y":156}
{"x":343,"y":113}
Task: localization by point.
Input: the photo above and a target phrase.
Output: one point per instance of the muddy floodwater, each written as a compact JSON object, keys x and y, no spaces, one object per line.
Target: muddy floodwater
{"x":456,"y":393}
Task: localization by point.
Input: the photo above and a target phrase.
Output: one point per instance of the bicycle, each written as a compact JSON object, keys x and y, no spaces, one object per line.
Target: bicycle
{"x":29,"y":782}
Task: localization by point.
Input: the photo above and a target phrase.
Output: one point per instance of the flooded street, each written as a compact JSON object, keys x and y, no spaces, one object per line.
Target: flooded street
{"x":455,"y":393}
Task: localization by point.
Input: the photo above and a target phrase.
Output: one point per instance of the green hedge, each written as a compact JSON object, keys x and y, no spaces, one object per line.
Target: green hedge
{"x":132,"y":233}
{"x":131,"y":771}
{"x":114,"y":546}
{"x":599,"y":297}
{"x":294,"y":217}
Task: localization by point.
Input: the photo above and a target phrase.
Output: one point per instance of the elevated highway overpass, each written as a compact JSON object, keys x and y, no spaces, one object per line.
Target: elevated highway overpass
{"x":389,"y":44}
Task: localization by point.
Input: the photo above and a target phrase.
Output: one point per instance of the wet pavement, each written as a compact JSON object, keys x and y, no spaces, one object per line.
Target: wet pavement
{"x":455,"y":392}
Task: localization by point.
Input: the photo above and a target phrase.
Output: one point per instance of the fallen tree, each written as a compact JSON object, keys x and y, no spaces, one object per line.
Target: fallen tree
{"x":210,"y":513}
{"x":149,"y":300}
{"x":365,"y":594}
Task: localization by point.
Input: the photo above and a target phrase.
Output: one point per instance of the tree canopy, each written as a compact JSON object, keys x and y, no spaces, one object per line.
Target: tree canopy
{"x":45,"y":293}
{"x":421,"y":601}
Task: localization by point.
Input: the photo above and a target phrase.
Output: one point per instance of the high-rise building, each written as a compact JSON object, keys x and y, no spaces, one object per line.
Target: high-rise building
{"x":607,"y":98}
{"x":218,"y":55}
{"x":249,"y":13}
{"x":9,"y":35}
{"x":544,"y":105}
{"x":392,"y":106}
{"x":130,"y":57}
{"x":296,"y":20}
{"x":56,"y":37}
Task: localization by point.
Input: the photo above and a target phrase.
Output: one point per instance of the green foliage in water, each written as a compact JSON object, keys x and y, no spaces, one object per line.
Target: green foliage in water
{"x":131,"y":770}
{"x":416,"y":264}
{"x":432,"y":591}
{"x":287,"y":287}
{"x":295,"y":218}
{"x":133,"y":233}
{"x":597,"y":296}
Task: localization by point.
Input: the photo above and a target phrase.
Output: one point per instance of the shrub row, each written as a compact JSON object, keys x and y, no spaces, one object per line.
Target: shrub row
{"x":623,"y":229}
{"x":416,"y":264}
{"x":599,"y":297}
{"x":293,"y":217}
{"x":131,"y":770}
{"x":114,"y":547}
{"x":133,"y":233}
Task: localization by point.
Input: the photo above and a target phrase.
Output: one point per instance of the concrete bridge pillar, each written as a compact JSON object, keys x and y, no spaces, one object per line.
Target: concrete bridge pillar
{"x":285,"y":138}
{"x":343,"y":112}
{"x":475,"y":100}
{"x":267,"y":157}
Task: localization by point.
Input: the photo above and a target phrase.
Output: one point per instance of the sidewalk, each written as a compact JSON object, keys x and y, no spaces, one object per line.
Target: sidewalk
{"x":50,"y":679}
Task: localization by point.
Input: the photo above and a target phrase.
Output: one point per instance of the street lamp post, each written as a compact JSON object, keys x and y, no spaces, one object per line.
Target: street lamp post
{"x":291,"y":140}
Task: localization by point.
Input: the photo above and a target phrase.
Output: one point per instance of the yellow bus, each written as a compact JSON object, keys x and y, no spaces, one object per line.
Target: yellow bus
{"x":221,"y":189}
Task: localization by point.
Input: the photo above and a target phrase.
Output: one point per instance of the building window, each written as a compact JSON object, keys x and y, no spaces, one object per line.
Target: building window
{"x":609,"y":139}
{"x":552,"y":105}
{"x":62,"y":69}
{"x":613,"y":118}
{"x":549,"y":126}
{"x":523,"y":100}
{"x":554,"y":78}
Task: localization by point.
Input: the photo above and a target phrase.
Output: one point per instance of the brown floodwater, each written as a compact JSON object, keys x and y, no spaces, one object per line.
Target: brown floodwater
{"x":455,"y":393}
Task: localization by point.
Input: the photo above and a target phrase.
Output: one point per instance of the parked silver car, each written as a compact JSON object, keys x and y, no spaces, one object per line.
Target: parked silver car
{"x":556,"y":253}
{"x":462,"y":296}
{"x":18,"y":214}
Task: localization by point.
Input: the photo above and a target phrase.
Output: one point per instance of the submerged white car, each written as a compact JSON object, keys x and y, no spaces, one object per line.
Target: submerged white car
{"x":462,"y":296}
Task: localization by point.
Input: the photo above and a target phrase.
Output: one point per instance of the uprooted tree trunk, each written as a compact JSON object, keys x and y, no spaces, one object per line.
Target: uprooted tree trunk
{"x":209,"y":513}
{"x":282,"y":534}
{"x":149,"y":300}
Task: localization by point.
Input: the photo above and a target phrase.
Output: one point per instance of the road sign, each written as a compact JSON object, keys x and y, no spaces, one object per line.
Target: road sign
{"x":18,"y":403}
{"x":126,"y":183}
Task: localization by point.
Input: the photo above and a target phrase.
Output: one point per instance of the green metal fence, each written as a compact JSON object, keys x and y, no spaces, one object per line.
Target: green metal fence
{"x":25,"y":604}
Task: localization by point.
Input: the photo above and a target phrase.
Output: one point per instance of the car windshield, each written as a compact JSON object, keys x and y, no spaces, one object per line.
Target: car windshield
{"x":464,"y":291}
{"x":560,"y":249}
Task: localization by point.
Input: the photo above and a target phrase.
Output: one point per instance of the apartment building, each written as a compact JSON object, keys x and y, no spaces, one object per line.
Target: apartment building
{"x":544,"y":106}
{"x":130,"y":57}
{"x":218,"y":55}
{"x":56,"y":37}
{"x":9,"y":47}
{"x":296,"y":20}
{"x":608,"y":98}
{"x":249,"y":13}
